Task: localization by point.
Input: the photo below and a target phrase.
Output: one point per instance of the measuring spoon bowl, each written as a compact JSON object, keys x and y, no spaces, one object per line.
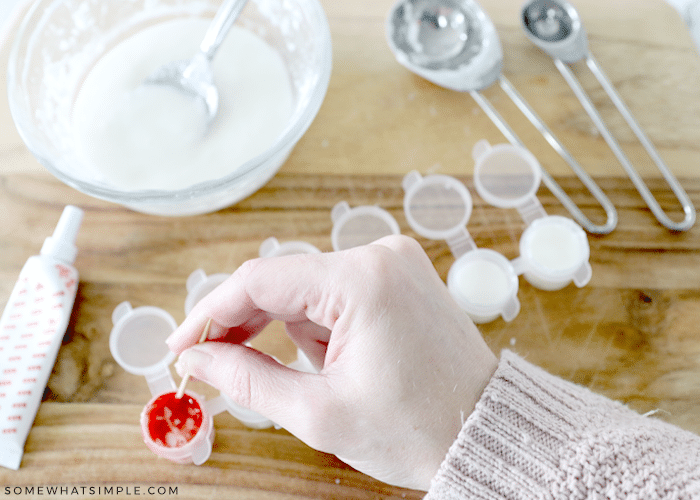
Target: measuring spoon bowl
{"x":555,"y":27}
{"x":451,"y":43}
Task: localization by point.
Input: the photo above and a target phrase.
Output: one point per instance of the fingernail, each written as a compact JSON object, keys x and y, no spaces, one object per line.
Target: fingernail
{"x":170,"y":340}
{"x":195,"y":362}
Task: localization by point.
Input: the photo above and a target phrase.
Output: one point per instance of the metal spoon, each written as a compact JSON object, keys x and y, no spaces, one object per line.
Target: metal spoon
{"x":454,"y":44}
{"x":555,"y":27}
{"x":194,"y":76}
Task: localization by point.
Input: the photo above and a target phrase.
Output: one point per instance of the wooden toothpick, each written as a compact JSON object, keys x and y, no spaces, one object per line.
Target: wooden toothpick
{"x":186,"y":378}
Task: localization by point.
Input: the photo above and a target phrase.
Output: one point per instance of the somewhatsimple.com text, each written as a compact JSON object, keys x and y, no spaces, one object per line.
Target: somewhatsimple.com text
{"x":68,"y":491}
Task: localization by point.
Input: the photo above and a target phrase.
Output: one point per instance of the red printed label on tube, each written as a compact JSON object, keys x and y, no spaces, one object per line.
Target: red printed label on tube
{"x":32,"y":327}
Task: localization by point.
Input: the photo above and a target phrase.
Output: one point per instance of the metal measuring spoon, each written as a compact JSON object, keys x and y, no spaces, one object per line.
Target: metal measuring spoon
{"x":555,"y":27}
{"x":194,"y":76}
{"x":454,"y":44}
{"x":451,"y":43}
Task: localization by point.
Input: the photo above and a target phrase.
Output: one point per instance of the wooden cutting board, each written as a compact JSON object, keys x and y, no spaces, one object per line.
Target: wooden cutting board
{"x":632,"y":334}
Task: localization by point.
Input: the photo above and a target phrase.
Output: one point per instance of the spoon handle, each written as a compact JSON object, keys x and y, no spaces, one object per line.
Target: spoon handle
{"x":224,"y":18}
{"x":683,"y":198}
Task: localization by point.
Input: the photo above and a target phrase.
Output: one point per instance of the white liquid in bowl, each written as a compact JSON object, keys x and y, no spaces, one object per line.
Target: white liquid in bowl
{"x":152,"y":137}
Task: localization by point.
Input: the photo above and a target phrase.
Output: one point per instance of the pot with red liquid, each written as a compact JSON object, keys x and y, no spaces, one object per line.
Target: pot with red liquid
{"x":179,"y":429}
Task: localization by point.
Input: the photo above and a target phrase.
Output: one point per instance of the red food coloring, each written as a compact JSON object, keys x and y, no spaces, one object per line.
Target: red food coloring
{"x":173,"y":422}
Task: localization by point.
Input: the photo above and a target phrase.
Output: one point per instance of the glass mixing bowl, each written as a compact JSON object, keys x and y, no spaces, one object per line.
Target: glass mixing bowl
{"x":59,"y":41}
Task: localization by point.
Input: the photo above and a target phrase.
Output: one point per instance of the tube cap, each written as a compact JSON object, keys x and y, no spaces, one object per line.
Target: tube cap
{"x":61,"y":245}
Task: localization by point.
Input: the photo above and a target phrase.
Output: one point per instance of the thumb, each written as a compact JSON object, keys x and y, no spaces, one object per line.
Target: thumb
{"x":253,"y":380}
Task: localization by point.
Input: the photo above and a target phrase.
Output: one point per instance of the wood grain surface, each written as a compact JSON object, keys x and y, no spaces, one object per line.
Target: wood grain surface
{"x":633,"y":333}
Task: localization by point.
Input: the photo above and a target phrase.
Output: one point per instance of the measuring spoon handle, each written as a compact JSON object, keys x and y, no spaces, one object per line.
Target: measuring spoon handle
{"x":222,"y":22}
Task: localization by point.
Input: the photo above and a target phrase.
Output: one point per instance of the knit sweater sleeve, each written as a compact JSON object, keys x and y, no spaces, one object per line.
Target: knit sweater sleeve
{"x":536,"y":436}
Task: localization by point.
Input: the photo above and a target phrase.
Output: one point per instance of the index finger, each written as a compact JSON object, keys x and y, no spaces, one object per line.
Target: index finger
{"x":287,"y":288}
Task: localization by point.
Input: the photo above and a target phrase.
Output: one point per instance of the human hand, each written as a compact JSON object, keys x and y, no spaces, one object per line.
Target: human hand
{"x":401,"y":365}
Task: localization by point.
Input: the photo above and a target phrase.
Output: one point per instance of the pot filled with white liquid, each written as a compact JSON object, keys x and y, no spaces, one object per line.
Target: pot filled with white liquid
{"x":76,"y":92}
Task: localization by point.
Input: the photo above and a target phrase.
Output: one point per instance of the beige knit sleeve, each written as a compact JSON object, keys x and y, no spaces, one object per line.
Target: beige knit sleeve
{"x":536,"y":436}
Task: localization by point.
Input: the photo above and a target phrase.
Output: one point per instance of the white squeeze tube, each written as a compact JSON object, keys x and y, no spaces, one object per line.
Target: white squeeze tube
{"x":31,"y":331}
